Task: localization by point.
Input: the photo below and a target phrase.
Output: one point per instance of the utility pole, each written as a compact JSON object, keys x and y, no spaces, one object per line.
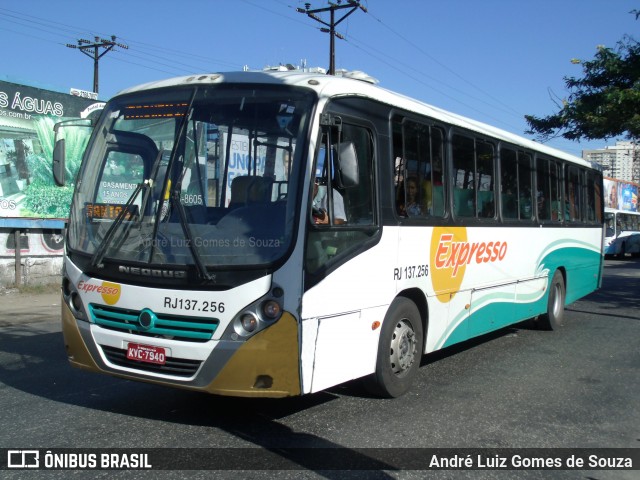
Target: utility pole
{"x":93,"y":50}
{"x":352,"y":4}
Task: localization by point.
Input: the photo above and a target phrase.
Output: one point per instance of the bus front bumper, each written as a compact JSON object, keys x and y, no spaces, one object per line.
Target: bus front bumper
{"x":265,"y":365}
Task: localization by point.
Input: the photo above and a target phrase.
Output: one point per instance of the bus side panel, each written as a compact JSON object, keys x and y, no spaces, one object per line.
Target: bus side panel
{"x":346,"y":347}
{"x":413,"y":270}
{"x":495,"y":294}
{"x":577,"y":253}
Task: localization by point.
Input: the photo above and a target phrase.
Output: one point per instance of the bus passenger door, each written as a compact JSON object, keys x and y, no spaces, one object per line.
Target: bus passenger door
{"x":342,"y":261}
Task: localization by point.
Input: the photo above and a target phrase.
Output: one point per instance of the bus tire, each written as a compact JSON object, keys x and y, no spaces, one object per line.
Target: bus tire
{"x":399,"y":350}
{"x":554,"y":317}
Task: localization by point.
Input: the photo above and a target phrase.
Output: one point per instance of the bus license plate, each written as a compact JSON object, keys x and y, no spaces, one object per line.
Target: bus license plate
{"x":146,"y":353}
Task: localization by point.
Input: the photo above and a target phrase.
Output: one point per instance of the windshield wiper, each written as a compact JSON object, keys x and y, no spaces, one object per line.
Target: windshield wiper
{"x":96,"y":260}
{"x":184,"y":223}
{"x":175,"y":193}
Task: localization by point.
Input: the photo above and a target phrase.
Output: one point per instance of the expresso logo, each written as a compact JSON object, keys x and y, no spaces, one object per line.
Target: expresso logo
{"x":109,"y":291}
{"x":451,"y":252}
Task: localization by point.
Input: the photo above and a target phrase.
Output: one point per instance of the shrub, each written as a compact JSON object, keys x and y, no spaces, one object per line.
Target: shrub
{"x":42,"y":199}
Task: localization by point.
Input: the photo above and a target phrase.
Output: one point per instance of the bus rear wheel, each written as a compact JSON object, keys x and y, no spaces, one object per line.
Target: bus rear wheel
{"x":554,"y":317}
{"x":399,"y":350}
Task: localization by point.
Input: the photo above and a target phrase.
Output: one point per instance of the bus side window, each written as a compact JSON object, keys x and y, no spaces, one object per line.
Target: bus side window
{"x":548,"y":184}
{"x":509,"y":183}
{"x":485,"y":171}
{"x":573,"y":194}
{"x":463,"y":176}
{"x":433,"y":183}
{"x":330,"y":241}
{"x":594,"y":197}
{"x":418,"y":150}
{"x":474,"y":177}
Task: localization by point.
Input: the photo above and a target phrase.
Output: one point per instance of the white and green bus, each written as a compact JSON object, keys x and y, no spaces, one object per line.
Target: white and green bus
{"x":622,"y":233}
{"x":276,"y":234}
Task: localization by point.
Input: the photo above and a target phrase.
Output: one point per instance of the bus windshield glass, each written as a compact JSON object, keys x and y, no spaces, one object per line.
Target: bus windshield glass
{"x":200,"y":176}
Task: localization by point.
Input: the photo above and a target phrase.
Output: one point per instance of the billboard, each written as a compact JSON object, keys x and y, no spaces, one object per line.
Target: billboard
{"x":27,"y":117}
{"x":621,"y":195}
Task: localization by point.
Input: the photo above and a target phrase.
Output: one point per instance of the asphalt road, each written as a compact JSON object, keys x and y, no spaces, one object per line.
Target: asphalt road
{"x":576,"y":387}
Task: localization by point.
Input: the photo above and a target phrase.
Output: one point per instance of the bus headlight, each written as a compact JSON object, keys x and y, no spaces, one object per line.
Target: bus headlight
{"x":249,"y":322}
{"x":76,"y":302}
{"x":271,"y":309}
{"x":66,"y":287}
{"x":257,"y":316}
{"x":73,"y":300}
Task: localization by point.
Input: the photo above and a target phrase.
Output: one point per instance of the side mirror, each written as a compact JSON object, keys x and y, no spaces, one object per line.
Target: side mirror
{"x":59,"y":162}
{"x":348,"y":173}
{"x":59,"y":149}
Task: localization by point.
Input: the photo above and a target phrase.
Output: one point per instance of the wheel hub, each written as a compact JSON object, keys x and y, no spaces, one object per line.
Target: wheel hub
{"x":403,"y":348}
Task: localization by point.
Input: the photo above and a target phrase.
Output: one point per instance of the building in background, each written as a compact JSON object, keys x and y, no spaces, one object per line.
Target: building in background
{"x":620,"y":161}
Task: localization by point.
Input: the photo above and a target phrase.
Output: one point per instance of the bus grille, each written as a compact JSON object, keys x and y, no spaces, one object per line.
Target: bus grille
{"x":179,"y":367}
{"x":173,"y":327}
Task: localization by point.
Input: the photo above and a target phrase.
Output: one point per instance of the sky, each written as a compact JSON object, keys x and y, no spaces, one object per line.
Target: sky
{"x":491,"y":60}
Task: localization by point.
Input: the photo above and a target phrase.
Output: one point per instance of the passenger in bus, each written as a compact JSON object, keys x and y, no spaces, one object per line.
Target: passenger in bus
{"x":432,"y":186}
{"x":488,"y":209}
{"x":320,"y":206}
{"x":526,"y":206}
{"x":409,"y":205}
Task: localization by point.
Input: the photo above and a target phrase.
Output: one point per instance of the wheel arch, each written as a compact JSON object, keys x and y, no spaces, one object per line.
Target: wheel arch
{"x":418,"y":297}
{"x":563,"y":272}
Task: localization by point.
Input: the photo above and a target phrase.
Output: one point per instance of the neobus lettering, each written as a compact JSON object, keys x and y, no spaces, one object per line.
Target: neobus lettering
{"x":152,"y":272}
{"x":452,"y":254}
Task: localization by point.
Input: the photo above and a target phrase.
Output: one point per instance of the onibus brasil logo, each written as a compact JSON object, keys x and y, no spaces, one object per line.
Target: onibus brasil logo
{"x":451,"y":252}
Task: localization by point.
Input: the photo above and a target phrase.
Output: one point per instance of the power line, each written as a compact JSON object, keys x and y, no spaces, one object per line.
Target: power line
{"x":22,"y":17}
{"x":85,"y":46}
{"x":53,"y":28}
{"x":332,"y":24}
{"x":450,"y":70}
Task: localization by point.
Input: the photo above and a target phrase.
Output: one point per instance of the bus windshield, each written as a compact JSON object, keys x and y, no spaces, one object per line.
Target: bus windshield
{"x":201,"y":176}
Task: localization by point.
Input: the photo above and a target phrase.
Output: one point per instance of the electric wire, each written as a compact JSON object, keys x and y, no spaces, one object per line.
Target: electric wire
{"x":172,"y":62}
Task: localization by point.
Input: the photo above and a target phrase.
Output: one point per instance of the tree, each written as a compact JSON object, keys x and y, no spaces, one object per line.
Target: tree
{"x":605,"y":103}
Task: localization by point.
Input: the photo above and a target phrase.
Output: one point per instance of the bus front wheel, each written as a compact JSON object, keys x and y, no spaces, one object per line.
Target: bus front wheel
{"x":555,"y":304}
{"x":399,"y":350}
